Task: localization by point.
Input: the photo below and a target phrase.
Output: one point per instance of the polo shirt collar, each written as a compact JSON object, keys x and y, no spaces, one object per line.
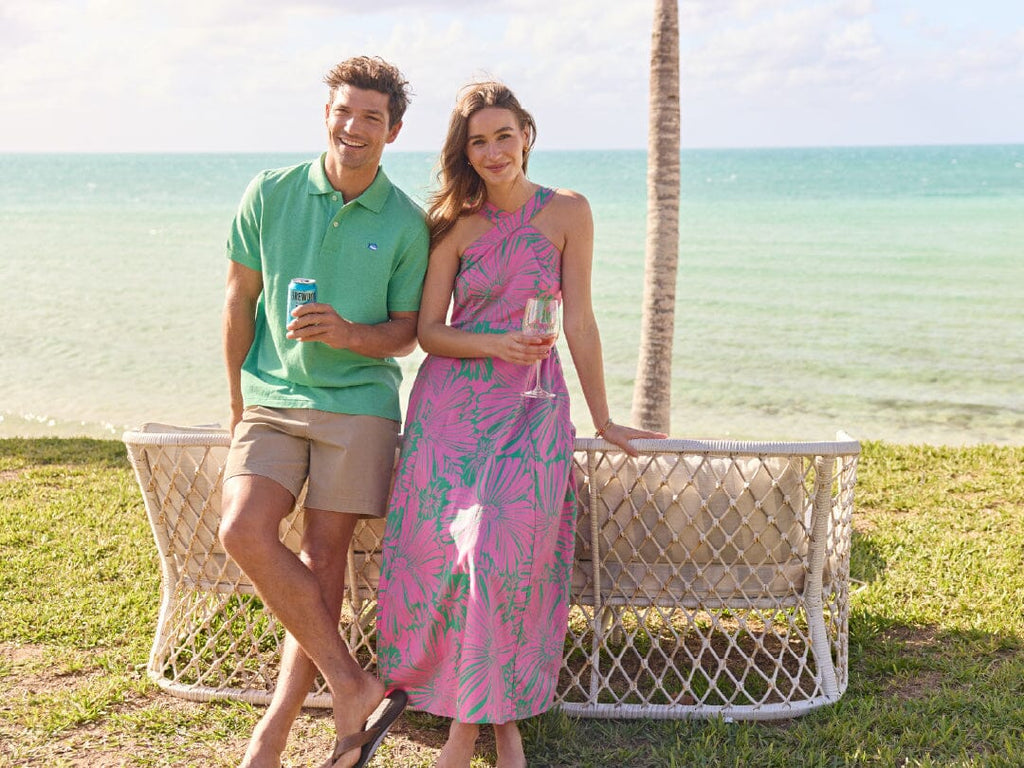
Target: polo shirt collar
{"x":373,"y":197}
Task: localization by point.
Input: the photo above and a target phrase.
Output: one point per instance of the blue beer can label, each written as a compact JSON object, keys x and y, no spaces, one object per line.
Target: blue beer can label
{"x":301,"y":290}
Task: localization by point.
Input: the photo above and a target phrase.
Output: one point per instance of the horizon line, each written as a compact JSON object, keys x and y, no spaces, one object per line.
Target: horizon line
{"x":305,"y":152}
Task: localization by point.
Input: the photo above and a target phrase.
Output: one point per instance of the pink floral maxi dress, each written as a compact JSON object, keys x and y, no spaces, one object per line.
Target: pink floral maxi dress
{"x":474,"y":586}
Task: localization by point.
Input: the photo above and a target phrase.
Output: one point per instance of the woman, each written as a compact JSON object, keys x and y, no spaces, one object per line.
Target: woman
{"x":479,"y":544}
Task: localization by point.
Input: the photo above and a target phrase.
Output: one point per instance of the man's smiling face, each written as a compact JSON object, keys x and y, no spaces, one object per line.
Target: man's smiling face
{"x":357,"y":128}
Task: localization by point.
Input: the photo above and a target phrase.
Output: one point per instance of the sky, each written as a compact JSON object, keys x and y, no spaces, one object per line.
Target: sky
{"x":246,"y":75}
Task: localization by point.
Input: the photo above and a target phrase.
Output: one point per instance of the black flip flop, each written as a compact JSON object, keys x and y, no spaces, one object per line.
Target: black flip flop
{"x":379,"y":722}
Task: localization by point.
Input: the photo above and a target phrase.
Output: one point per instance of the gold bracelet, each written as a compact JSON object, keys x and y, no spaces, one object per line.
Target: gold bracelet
{"x":602,"y":430}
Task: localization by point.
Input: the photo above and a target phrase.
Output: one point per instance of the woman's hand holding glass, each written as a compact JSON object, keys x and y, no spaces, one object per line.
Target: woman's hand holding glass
{"x":541,"y":323}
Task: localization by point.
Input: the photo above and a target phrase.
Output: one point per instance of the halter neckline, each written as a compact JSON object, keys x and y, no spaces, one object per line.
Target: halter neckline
{"x":524,"y":213}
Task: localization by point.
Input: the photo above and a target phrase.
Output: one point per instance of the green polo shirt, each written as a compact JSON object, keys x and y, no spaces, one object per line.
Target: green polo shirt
{"x":368,"y":257}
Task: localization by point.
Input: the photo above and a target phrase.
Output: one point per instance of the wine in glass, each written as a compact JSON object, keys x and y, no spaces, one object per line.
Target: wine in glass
{"x":541,"y":320}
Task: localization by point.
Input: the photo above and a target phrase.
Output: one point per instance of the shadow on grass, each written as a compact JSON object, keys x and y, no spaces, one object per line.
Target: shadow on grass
{"x":866,"y":560}
{"x":919,"y":695}
{"x":79,"y":451}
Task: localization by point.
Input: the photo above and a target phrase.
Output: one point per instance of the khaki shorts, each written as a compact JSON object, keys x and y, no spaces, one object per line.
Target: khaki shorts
{"x":347,"y":459}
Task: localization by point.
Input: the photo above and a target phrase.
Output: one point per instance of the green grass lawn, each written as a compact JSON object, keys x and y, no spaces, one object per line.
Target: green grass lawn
{"x":936,"y":634}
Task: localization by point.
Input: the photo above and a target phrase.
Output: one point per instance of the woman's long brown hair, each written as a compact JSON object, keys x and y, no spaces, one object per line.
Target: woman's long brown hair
{"x":460,"y":190}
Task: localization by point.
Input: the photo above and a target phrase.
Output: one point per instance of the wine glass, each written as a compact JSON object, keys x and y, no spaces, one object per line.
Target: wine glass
{"x":541,"y":320}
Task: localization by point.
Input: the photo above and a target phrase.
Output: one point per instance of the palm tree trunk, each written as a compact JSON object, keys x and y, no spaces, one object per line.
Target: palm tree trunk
{"x":652,"y":392}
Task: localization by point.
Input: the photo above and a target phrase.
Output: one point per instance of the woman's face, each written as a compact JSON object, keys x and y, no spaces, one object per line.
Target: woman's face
{"x":495,"y":145}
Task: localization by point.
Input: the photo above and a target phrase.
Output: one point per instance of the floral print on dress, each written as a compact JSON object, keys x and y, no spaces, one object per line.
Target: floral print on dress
{"x":474,"y":587}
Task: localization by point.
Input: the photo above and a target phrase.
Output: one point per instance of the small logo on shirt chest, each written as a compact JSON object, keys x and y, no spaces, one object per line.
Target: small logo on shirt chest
{"x":372,"y":246}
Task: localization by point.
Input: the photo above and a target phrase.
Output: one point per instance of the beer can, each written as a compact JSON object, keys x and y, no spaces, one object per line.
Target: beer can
{"x":301,"y":290}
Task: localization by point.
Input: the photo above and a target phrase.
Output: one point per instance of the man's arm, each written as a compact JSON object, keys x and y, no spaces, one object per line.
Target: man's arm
{"x":244,"y":286}
{"x":320,"y":322}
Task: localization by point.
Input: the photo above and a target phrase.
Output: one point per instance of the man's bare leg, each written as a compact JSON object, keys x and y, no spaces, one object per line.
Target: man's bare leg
{"x":270,"y":737}
{"x":252,"y":511}
{"x":325,"y":558}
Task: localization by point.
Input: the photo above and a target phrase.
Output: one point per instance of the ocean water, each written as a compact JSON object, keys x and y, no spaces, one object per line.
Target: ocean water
{"x":875,"y":290}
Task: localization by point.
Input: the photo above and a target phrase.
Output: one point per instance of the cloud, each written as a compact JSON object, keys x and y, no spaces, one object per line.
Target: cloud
{"x":245,"y":74}
{"x":795,"y":46}
{"x":825,"y":64}
{"x":575,"y":95}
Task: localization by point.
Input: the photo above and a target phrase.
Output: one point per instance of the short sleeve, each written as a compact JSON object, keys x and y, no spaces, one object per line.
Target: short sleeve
{"x":406,"y":286}
{"x":243,"y":243}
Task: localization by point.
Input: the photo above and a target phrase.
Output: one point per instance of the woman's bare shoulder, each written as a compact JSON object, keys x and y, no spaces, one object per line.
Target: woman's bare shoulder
{"x":572,"y":209}
{"x":466,"y":230}
{"x":569,"y":197}
{"x":571,"y":204}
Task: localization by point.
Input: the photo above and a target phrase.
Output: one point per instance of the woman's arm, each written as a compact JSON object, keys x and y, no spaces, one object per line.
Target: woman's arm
{"x":580,"y":325}
{"x":439,"y":338}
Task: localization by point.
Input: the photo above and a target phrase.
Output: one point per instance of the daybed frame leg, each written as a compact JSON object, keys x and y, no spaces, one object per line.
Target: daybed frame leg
{"x":813,"y":601}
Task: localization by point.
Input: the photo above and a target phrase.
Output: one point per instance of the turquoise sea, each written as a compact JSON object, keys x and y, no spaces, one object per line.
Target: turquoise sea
{"x":875,"y":290}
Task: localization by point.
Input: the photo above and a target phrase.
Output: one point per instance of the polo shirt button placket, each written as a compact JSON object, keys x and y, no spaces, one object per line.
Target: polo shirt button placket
{"x":336,"y":223}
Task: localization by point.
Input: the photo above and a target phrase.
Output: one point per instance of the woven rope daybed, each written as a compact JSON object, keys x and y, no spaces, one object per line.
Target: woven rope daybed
{"x":710,"y":578}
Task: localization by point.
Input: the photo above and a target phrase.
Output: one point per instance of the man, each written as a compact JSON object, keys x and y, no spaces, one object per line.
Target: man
{"x":314,"y":396}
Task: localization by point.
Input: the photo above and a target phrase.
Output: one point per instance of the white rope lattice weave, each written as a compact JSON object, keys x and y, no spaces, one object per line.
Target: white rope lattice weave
{"x":213,"y":639}
{"x":710,"y":577}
